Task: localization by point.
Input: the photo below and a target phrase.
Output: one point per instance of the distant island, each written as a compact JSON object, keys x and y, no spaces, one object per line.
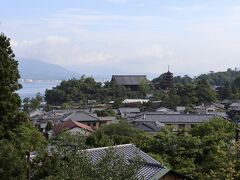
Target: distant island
{"x":32,"y":70}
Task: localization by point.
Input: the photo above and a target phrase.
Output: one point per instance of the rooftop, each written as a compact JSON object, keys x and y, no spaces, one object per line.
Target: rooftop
{"x":150,"y":168}
{"x":174,"y":118}
{"x":129,"y":79}
{"x":70,"y":124}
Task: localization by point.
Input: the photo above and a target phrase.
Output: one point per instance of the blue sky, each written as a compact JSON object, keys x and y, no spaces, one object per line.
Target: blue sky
{"x":126,"y":36}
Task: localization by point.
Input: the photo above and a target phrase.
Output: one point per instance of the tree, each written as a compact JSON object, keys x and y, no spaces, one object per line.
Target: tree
{"x":70,"y":160}
{"x":17,"y":135}
{"x":225,"y":92}
{"x":204,"y":92}
{"x":105,"y":112}
{"x":9,"y":75}
{"x":144,"y":88}
{"x":32,"y":104}
{"x":119,"y":133}
{"x":204,"y":152}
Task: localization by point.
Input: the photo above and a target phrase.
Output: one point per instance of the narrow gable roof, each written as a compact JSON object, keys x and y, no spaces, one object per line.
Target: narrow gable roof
{"x":129,"y":79}
{"x":70,"y":124}
{"x":81,"y":116}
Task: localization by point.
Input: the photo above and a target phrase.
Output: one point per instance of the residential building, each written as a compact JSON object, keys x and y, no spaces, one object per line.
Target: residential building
{"x":73,"y":127}
{"x":235,"y":106}
{"x":135,"y":101}
{"x":126,"y":111}
{"x":177,"y":121}
{"x":83,"y":116}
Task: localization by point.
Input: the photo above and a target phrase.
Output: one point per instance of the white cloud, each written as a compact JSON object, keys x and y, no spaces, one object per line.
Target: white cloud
{"x":55,"y":40}
{"x":103,"y":42}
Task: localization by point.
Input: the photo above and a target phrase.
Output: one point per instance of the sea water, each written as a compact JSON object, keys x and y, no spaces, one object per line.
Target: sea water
{"x":30,"y":89}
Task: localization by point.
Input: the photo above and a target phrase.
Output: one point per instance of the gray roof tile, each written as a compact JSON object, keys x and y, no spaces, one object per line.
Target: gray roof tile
{"x":129,"y":79}
{"x":175,"y":118}
{"x":150,"y":168}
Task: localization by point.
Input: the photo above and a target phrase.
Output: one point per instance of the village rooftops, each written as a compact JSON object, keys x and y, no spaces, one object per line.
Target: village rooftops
{"x":129,"y":79}
{"x":174,"y":118}
{"x":150,"y":170}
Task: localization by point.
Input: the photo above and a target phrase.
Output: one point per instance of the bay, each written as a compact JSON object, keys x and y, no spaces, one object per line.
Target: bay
{"x":30,"y":89}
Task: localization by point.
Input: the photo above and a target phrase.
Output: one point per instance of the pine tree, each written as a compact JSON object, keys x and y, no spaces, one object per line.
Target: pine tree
{"x":9,"y":75}
{"x":17,"y":135}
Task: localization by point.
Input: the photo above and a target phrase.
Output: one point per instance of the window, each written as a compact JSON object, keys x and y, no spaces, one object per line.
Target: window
{"x":94,"y":124}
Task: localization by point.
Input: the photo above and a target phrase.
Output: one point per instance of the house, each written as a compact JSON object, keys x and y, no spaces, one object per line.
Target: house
{"x":125,"y":111}
{"x":150,"y":170}
{"x":177,"y":121}
{"x":35,"y":113}
{"x":135,"y":101}
{"x":90,"y":119}
{"x":235,"y":106}
{"x":72,"y":127}
{"x":130,"y":81}
{"x":83,"y":116}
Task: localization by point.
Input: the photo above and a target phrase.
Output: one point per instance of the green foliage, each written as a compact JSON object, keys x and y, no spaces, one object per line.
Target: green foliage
{"x":69,"y":160}
{"x":9,"y":75}
{"x":225,"y":92}
{"x":204,"y":92}
{"x":202,"y":152}
{"x":144,"y":88}
{"x":105,"y":112}
{"x":32,"y":104}
{"x":220,"y":78}
{"x":79,"y":91}
{"x":119,"y":133}
{"x":49,"y":126}
{"x":17,"y":136}
{"x":24,"y":139}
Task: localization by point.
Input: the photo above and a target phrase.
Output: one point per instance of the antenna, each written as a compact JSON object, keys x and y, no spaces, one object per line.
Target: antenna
{"x":168,"y":68}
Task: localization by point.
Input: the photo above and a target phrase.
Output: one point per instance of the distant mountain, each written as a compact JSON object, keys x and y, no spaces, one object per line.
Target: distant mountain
{"x":39,"y":70}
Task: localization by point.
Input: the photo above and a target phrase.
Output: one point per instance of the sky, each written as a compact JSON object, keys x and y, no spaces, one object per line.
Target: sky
{"x":103,"y":37}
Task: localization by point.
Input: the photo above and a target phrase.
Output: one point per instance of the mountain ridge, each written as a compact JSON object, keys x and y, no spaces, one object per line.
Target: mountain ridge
{"x":39,"y":70}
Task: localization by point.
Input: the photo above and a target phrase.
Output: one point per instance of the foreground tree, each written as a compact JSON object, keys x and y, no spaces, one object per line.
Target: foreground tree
{"x":201,"y":153}
{"x":17,"y":136}
{"x":70,"y":160}
{"x":119,"y":133}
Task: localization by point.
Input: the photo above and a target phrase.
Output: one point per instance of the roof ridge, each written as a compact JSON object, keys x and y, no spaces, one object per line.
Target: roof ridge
{"x":120,"y":145}
{"x":89,"y":114}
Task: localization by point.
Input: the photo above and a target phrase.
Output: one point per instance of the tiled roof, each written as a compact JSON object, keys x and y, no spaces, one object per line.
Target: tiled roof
{"x":129,"y":79}
{"x":150,"y":168}
{"x":235,"y":104}
{"x":175,"y":118}
{"x":129,"y":110}
{"x":82,"y":116}
{"x":70,"y":124}
{"x":150,"y":127}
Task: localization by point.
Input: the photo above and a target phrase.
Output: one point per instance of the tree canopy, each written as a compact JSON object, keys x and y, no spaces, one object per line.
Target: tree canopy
{"x":17,"y":135}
